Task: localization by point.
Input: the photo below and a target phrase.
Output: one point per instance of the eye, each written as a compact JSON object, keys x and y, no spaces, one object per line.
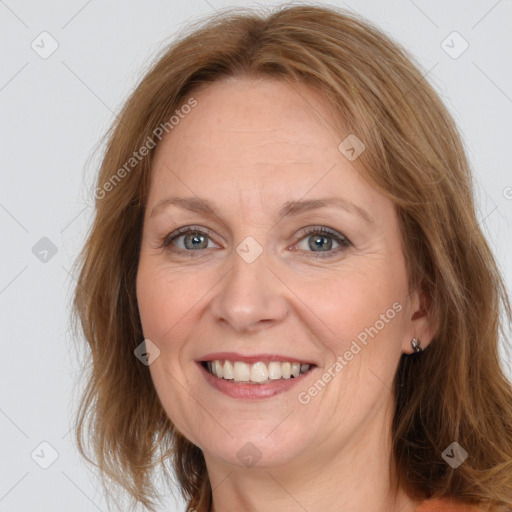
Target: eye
{"x":188,"y":239}
{"x":323,"y":241}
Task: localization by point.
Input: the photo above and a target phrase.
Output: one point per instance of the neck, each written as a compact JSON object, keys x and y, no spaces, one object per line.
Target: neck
{"x":357,"y":477}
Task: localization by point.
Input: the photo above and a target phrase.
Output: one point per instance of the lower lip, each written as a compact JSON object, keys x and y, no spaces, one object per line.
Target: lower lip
{"x":246,"y":391}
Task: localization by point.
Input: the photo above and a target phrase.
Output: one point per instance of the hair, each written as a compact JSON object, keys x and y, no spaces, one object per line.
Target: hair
{"x":453,"y":391}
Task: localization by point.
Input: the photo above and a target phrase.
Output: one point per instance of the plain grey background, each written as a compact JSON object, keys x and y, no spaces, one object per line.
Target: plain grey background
{"x":54,"y":110}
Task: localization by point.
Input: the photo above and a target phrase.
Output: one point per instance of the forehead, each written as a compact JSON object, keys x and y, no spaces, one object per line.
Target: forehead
{"x":252,"y":113}
{"x":249,"y":138}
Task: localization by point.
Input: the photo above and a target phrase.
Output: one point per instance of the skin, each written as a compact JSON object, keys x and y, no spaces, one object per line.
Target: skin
{"x":249,"y":146}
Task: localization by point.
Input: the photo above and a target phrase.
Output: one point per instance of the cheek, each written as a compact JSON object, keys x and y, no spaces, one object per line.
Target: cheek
{"x":353,"y":298}
{"x":165,"y":298}
{"x":359,"y":314}
{"x":166,"y":310}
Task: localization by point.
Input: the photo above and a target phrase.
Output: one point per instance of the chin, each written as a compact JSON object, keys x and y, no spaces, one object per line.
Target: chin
{"x":255,"y":451}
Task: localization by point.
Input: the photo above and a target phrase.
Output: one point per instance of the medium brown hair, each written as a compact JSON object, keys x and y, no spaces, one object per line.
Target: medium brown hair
{"x":454,"y":391}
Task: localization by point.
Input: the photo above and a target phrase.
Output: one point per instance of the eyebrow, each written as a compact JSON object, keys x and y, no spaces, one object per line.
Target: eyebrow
{"x":290,"y":208}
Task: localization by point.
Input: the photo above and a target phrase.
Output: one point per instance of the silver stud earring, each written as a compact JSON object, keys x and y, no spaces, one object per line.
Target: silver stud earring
{"x":416,"y":345}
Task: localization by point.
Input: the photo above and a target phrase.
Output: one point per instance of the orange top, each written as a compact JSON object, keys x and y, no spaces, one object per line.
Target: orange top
{"x":445,"y":505}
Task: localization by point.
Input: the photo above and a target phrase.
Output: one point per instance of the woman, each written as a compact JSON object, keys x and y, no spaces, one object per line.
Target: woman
{"x":284,"y":214}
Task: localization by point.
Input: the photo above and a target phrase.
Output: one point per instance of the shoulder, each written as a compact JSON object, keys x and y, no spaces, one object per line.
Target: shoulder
{"x":446,"y":505}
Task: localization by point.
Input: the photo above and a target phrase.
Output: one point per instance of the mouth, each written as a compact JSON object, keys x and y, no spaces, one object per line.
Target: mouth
{"x":257,"y":373}
{"x":255,"y":376}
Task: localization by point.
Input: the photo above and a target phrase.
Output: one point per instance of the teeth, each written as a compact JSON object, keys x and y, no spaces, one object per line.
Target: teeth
{"x":218,"y":368}
{"x":257,"y":372}
{"x":242,"y":372}
{"x":274,"y":370}
{"x":227,"y":372}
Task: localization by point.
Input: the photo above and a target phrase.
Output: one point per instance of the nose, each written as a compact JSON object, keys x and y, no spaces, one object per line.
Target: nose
{"x":250,"y":297}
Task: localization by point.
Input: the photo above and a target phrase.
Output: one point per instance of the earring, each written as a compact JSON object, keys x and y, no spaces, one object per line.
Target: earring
{"x":416,"y":345}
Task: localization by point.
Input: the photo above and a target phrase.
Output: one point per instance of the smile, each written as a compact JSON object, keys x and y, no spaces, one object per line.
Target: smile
{"x":256,"y":373}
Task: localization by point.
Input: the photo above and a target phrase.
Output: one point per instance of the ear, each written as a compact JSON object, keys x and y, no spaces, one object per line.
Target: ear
{"x":420,"y":324}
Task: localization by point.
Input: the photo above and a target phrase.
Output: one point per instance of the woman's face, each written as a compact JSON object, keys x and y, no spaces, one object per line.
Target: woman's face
{"x":269,"y":275}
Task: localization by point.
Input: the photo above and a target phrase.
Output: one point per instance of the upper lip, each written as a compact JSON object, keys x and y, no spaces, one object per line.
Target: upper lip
{"x":253,"y":358}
